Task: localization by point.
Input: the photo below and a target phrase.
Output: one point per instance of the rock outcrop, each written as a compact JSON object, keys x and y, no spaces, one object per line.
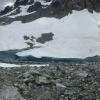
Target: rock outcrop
{"x":45,"y":37}
{"x":57,"y":6}
{"x":46,"y":8}
{"x":6,"y":10}
{"x":23,"y":2}
{"x":35,"y":7}
{"x":77,"y":4}
{"x":66,"y":5}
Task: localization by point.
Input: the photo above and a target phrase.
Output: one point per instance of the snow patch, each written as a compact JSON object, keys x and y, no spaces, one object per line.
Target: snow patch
{"x":75,"y":36}
{"x":43,"y":2}
{"x":22,"y":65}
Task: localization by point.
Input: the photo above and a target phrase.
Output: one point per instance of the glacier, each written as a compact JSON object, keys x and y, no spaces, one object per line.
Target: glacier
{"x":75,"y":36}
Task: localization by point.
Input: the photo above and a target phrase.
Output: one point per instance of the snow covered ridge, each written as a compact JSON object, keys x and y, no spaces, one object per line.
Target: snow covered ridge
{"x":75,"y":36}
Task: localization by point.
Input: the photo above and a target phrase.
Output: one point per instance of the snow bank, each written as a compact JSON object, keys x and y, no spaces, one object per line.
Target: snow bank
{"x":18,"y":65}
{"x":75,"y":36}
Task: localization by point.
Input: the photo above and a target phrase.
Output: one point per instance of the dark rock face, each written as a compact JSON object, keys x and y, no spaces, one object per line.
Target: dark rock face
{"x":30,"y":1}
{"x":23,"y":2}
{"x":67,"y":5}
{"x":20,"y":2}
{"x":57,"y":9}
{"x":70,"y":5}
{"x":6,"y":10}
{"x":59,"y":6}
{"x":45,"y":37}
{"x":17,"y":11}
{"x":36,"y":6}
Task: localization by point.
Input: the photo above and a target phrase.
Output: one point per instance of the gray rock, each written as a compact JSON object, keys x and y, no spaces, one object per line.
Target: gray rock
{"x":9,"y":93}
{"x":45,"y":37}
{"x":58,"y":81}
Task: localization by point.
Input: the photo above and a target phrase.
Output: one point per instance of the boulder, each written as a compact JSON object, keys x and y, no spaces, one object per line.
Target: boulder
{"x":45,"y":37}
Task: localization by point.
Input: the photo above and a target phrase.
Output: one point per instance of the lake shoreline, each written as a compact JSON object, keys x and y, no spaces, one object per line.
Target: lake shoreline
{"x":11,"y":57}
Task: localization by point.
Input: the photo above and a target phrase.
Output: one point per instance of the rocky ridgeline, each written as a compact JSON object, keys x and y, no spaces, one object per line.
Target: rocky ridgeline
{"x":58,"y":81}
{"x":70,"y":5}
{"x":38,"y":9}
{"x":63,"y":5}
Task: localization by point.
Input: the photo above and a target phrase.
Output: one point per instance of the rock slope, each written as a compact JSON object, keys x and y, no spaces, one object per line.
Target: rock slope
{"x":58,"y":81}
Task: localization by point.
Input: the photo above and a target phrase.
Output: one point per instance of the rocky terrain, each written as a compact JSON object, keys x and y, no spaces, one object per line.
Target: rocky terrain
{"x":79,"y":79}
{"x":68,"y":5}
{"x":58,"y":81}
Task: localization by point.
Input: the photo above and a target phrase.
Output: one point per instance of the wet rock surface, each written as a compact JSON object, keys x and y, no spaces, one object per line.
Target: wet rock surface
{"x":58,"y":81}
